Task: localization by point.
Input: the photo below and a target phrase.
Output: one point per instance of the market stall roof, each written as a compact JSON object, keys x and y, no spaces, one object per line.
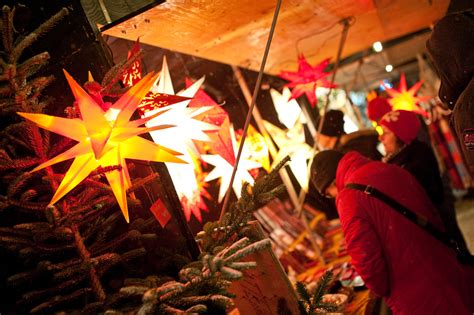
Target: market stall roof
{"x":235,"y":32}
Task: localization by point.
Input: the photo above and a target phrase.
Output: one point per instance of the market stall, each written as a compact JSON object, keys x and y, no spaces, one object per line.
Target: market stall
{"x":167,"y":167}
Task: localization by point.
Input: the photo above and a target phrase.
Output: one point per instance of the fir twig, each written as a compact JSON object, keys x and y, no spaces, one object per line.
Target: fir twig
{"x":264,"y":189}
{"x":33,"y":36}
{"x":7,"y":28}
{"x":312,"y":303}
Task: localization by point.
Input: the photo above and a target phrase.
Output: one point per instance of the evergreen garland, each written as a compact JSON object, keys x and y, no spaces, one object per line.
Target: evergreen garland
{"x":312,"y":303}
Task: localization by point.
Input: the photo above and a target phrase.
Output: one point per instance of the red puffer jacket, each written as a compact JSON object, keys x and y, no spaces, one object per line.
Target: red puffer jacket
{"x":414,"y":272}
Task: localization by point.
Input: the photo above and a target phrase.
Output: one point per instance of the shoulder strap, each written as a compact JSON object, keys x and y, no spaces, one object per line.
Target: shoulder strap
{"x":407,"y":213}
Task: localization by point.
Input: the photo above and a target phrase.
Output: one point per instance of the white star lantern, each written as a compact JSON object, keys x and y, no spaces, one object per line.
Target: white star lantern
{"x":292,"y":143}
{"x":224,"y":169}
{"x":289,"y":111}
{"x":180,"y":138}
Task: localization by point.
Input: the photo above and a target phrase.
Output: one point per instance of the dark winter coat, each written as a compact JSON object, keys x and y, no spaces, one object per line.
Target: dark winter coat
{"x":414,"y":272}
{"x":418,"y":158}
{"x":451,"y":47}
{"x":363,"y":141}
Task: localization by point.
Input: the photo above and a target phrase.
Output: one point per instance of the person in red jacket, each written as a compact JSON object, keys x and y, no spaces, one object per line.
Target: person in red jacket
{"x":399,"y":261}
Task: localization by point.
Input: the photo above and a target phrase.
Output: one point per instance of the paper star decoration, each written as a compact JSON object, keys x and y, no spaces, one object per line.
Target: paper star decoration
{"x":292,"y":143}
{"x":132,"y":75}
{"x":224,"y":169}
{"x":307,"y":78}
{"x":103,"y":142}
{"x":404,"y":99}
{"x":256,"y":148}
{"x":186,"y":128}
{"x":287,"y":108}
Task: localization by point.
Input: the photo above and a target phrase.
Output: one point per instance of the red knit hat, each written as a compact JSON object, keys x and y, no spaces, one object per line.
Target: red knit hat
{"x":378,"y":107}
{"x":404,"y":124}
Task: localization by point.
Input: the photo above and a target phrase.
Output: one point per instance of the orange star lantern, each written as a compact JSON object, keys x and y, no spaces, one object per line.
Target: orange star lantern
{"x":104,"y":141}
{"x":307,"y":78}
{"x":406,"y":99}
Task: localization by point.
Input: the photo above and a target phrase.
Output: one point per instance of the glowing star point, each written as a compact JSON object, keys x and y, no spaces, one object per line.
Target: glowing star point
{"x":186,"y":128}
{"x":223,"y":170}
{"x":404,"y":99}
{"x":288,"y":109}
{"x":103,"y":142}
{"x":292,"y":142}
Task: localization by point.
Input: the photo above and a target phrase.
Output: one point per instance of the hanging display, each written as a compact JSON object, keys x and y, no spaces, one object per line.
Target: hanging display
{"x":287,"y":108}
{"x":104,"y":142}
{"x":404,"y":99}
{"x":132,"y":75}
{"x":292,"y":143}
{"x":256,"y":148}
{"x":223,"y":169}
{"x":307,"y":78}
{"x":186,"y":129}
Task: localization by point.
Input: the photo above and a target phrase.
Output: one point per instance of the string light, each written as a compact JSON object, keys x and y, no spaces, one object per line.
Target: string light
{"x":377,"y":46}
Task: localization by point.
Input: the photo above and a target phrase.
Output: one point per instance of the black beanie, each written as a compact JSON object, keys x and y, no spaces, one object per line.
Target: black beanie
{"x":450,"y":47}
{"x":323,"y":169}
{"x":333,"y":124}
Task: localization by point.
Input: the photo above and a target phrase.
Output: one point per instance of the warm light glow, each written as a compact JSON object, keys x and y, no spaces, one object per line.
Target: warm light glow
{"x":406,"y":99}
{"x":388,"y":68}
{"x":288,"y":110}
{"x":180,"y":137}
{"x":224,"y":169}
{"x":292,"y":143}
{"x":256,"y":148}
{"x":377,"y":46}
{"x":378,"y":128}
{"x":103,"y":142}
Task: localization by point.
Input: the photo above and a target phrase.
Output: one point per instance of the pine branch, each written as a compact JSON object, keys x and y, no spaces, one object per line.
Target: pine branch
{"x":7,"y":28}
{"x":312,"y":304}
{"x":264,"y":189}
{"x":322,"y":287}
{"x":114,"y":74}
{"x":33,"y":36}
{"x":18,"y":184}
{"x":30,"y":66}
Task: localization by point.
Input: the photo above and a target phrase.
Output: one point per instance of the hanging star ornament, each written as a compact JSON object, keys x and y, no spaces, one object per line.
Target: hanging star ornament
{"x":292,"y":142}
{"x":307,"y":78}
{"x":133,"y":75}
{"x":223,"y":170}
{"x":186,"y":129}
{"x":104,"y":142}
{"x":287,"y":108}
{"x":256,"y":148}
{"x":404,"y":99}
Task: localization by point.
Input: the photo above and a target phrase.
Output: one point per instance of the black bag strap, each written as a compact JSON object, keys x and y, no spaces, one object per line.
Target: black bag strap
{"x":415,"y":218}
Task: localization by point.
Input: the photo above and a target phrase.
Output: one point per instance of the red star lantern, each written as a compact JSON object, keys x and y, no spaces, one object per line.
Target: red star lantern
{"x":153,"y":101}
{"x":134,"y":73}
{"x":307,"y":78}
{"x":404,"y":99}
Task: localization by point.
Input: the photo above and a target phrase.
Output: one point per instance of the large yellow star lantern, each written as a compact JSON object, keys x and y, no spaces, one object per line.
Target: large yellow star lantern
{"x":104,"y":141}
{"x":404,"y":99}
